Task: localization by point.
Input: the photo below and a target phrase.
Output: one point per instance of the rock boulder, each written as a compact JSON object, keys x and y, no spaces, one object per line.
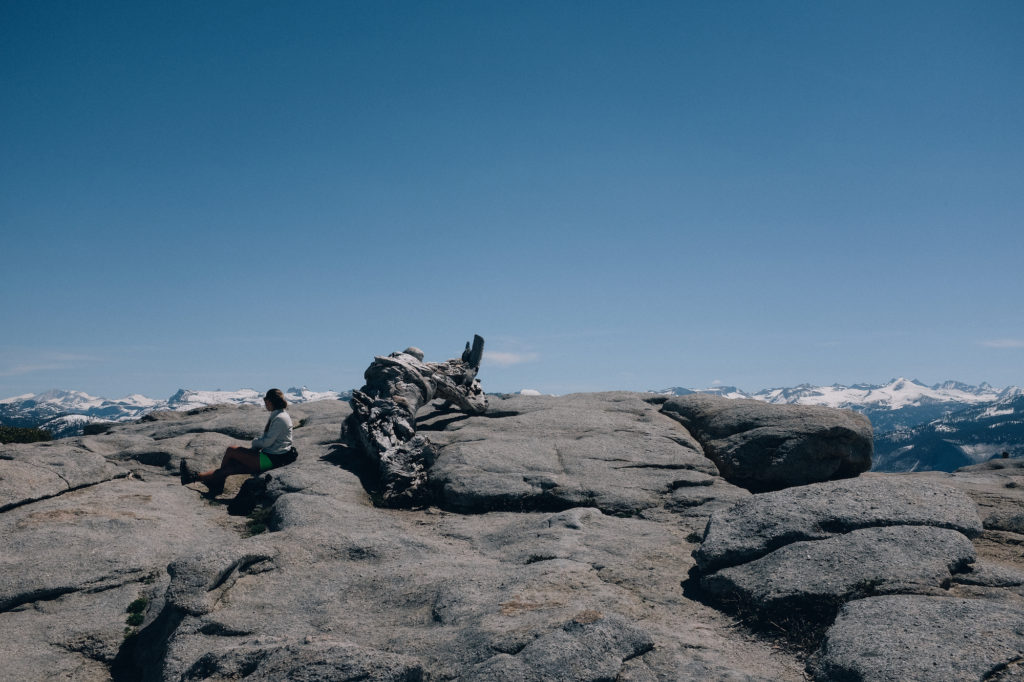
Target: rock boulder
{"x":763,"y":523}
{"x":810,"y":579}
{"x":906,"y":638}
{"x":761,"y":446}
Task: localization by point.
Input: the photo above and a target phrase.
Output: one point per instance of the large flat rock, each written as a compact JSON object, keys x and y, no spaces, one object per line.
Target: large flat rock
{"x":904,"y":638}
{"x":791,"y":558}
{"x":812,"y":578}
{"x":612,"y":451}
{"x":76,"y":636}
{"x":38,"y":471}
{"x":762,"y":523}
{"x":762,"y":447}
{"x":71,"y":565}
{"x":98,"y":537}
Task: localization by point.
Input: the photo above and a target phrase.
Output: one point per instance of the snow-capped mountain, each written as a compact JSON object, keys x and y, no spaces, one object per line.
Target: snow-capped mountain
{"x":968,"y":436}
{"x":34,"y":409}
{"x":190,"y":400}
{"x":724,"y":391}
{"x":66,"y":413}
{"x":917,"y":427}
{"x":899,"y":403}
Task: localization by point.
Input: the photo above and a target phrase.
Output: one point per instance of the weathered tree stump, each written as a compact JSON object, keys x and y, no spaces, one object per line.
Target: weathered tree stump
{"x":383,"y":419}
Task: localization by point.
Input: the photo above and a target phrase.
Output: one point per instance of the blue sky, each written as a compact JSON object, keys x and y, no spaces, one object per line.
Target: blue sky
{"x":615,"y":195}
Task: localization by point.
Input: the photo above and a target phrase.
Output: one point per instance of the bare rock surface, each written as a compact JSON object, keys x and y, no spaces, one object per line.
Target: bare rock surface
{"x":901,"y":638}
{"x":243,"y":422}
{"x":559,"y":552}
{"x":587,"y":648}
{"x":271,"y":660}
{"x":813,"y":578}
{"x":794,"y":559}
{"x":1008,"y":465}
{"x":763,"y":523}
{"x":612,"y":451}
{"x":31,"y":472}
{"x":71,"y":565}
{"x":761,"y":446}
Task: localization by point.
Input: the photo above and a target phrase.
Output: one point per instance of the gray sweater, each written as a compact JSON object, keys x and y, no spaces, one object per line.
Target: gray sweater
{"x":277,"y":436}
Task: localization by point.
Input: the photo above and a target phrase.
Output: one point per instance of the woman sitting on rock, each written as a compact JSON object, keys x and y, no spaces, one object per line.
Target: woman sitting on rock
{"x":271,"y":450}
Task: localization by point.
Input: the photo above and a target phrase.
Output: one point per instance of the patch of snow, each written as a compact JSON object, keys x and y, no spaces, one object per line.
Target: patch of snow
{"x":982,"y":452}
{"x":994,"y":411}
{"x":305,"y":395}
{"x":17,"y":399}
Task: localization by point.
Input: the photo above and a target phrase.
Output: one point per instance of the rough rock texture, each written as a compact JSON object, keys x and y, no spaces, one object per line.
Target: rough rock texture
{"x":270,"y":661}
{"x":587,"y":648}
{"x":793,"y":558}
{"x":563,"y":552}
{"x":71,"y":564}
{"x":612,"y":451}
{"x":765,"y":522}
{"x":761,"y":446}
{"x":36,"y":472}
{"x":902,"y":638}
{"x":383,"y":419}
{"x":813,"y":577}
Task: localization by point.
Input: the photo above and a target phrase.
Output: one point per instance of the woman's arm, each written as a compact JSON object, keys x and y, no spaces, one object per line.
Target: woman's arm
{"x":277,"y":430}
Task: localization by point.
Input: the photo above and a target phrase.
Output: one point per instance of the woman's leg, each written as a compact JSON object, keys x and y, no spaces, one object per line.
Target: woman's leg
{"x":236,"y":460}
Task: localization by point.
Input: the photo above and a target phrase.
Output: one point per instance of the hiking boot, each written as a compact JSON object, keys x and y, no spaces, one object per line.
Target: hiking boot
{"x":187,"y":475}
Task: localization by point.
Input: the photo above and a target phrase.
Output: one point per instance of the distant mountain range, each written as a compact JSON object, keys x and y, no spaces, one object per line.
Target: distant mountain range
{"x":968,"y":436}
{"x":917,"y":427}
{"x":65,"y":413}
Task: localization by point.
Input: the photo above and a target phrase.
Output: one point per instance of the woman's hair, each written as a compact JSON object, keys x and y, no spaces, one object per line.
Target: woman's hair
{"x":276,"y":398}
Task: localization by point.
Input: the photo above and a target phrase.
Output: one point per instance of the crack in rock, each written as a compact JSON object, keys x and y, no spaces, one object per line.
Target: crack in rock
{"x":70,"y":488}
{"x":102,"y":584}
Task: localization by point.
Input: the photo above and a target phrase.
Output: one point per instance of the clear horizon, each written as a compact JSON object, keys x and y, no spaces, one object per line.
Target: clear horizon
{"x":615,"y":197}
{"x":320,"y":389}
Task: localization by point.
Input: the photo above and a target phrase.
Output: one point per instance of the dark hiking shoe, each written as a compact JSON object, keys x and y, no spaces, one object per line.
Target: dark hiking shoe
{"x":187,"y":475}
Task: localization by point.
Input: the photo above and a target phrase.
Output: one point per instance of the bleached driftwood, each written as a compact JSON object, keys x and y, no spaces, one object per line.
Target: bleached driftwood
{"x":383,"y":419}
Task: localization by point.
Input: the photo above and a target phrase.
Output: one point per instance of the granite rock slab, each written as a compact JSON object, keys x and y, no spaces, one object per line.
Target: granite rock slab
{"x":98,"y":537}
{"x":35,"y":472}
{"x":611,"y":451}
{"x":310,"y":659}
{"x":762,"y":523}
{"x":909,"y":638}
{"x":761,"y":446}
{"x":590,"y":647}
{"x":812,"y":578}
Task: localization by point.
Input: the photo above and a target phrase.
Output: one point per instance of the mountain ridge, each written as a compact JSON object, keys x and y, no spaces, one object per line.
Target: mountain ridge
{"x":917,"y":427}
{"x":67,"y":412}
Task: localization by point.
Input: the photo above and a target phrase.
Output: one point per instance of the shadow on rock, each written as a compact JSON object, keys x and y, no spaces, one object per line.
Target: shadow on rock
{"x":142,"y":654}
{"x":798,"y":631}
{"x":353,"y":461}
{"x":252,"y":494}
{"x":432,"y":424}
